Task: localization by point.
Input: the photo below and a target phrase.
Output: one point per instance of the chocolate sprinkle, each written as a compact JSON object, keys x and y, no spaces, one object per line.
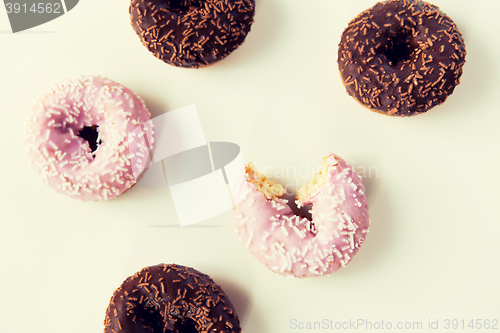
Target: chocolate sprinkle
{"x":401,"y":57}
{"x":173,"y":299}
{"x":192,"y":33}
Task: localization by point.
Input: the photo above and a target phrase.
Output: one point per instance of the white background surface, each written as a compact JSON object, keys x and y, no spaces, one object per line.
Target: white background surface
{"x":433,"y":249}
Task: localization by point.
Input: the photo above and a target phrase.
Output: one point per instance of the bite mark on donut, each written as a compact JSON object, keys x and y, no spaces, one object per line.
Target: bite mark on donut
{"x":270,"y":188}
{"x":308,"y":190}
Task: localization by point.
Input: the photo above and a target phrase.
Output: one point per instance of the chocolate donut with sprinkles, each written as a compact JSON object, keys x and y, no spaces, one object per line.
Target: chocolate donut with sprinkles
{"x":170,"y":298}
{"x":401,"y":57}
{"x":192,"y":33}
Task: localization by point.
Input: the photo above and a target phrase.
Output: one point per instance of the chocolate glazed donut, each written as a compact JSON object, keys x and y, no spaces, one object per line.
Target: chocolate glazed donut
{"x":192,"y":33}
{"x":401,"y":57}
{"x":170,"y":299}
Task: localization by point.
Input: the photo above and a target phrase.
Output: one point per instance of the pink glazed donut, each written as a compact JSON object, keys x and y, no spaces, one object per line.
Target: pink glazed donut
{"x":82,"y":138}
{"x":295,"y":246}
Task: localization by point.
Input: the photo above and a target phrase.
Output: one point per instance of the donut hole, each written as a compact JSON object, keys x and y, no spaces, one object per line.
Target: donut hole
{"x":182,"y":6}
{"x":304,"y":211}
{"x":398,"y":47}
{"x":319,"y":179}
{"x":91,"y":135}
{"x":150,"y":317}
{"x":185,"y":326}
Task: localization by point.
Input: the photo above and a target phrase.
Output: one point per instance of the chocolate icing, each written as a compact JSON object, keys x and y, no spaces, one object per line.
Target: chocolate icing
{"x":401,"y":57}
{"x":170,"y":299}
{"x":192,"y":33}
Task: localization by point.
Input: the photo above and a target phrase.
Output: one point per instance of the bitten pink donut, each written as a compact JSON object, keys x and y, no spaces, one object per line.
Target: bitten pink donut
{"x":81,"y":141}
{"x":295,"y":246}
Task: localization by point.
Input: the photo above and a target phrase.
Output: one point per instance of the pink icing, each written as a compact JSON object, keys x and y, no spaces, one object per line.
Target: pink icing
{"x":64,"y":161}
{"x":293,"y":246}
